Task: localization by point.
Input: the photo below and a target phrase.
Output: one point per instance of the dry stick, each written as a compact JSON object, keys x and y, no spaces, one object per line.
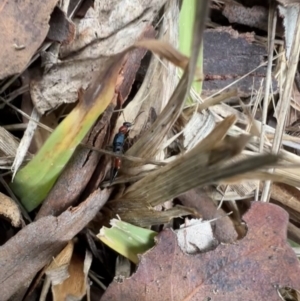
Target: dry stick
{"x":272,"y":30}
{"x":285,"y":101}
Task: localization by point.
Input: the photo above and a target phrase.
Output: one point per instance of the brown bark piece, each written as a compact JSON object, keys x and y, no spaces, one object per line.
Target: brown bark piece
{"x":133,"y":64}
{"x":36,"y":244}
{"x":251,"y":269}
{"x":224,"y":230}
{"x":228,"y":56}
{"x":24,"y":27}
{"x":61,"y":28}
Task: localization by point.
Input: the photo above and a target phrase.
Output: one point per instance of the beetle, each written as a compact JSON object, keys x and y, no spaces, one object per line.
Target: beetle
{"x":118,"y":146}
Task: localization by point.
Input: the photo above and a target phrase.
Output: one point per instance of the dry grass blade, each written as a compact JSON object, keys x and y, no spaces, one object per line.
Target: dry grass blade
{"x":188,"y":171}
{"x":176,"y":178}
{"x":140,"y":215}
{"x":148,"y":144}
{"x":285,"y":99}
{"x":25,"y":142}
{"x":217,"y":99}
{"x":217,"y":134}
{"x":165,"y":50}
{"x":207,"y":147}
{"x":254,"y":175}
{"x":228,"y":148}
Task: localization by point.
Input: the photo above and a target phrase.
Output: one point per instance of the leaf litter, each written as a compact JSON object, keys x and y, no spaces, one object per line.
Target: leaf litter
{"x":226,"y":273}
{"x":210,"y":172}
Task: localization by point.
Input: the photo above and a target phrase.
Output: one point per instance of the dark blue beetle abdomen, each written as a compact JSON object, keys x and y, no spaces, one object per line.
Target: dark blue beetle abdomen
{"x":118,"y":142}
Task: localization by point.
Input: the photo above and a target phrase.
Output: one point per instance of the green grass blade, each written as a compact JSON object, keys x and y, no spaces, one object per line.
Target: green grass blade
{"x":33,"y":182}
{"x":186,"y":23}
{"x":126,"y":239}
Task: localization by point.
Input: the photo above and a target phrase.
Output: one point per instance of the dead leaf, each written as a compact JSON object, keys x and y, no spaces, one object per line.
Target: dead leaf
{"x":148,"y":145}
{"x":106,"y":30}
{"x":62,"y":259}
{"x":25,"y":26}
{"x":160,"y":74}
{"x":197,"y":128}
{"x":36,"y":244}
{"x":10,"y":210}
{"x":57,"y":271}
{"x":254,"y":267}
{"x":76,"y":285}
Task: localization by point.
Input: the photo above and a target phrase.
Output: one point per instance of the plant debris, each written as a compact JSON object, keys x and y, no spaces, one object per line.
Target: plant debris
{"x":222,"y":274}
{"x":204,"y":99}
{"x":26,"y":26}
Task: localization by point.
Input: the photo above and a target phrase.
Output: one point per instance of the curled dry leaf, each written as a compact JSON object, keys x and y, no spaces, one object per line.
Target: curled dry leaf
{"x":76,"y":285}
{"x":197,"y":128}
{"x":26,"y":26}
{"x":10,"y":210}
{"x":286,"y":195}
{"x":226,"y":273}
